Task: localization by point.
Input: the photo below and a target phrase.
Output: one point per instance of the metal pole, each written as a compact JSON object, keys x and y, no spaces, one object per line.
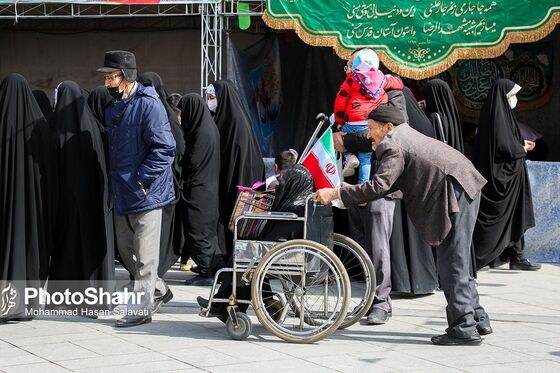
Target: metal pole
{"x":312,"y":140}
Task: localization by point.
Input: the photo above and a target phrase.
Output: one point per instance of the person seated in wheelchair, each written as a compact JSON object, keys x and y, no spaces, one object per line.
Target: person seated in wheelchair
{"x":282,"y":161}
{"x":295,"y":184}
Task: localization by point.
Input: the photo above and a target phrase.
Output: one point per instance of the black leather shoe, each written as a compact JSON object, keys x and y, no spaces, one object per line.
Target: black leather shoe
{"x":195,"y":269}
{"x":523,"y":265}
{"x":449,"y":340}
{"x":484,"y":330}
{"x":200,"y":280}
{"x":158,"y":301}
{"x":202,"y":302}
{"x":132,"y":321}
{"x":377,"y":316}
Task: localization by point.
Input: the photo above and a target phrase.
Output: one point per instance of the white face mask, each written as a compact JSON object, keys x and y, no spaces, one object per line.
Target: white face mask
{"x":373,"y":145}
{"x":512,"y":100}
{"x":213,"y":105}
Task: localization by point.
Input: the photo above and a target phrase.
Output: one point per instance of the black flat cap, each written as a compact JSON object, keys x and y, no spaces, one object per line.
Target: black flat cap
{"x":118,"y":60}
{"x":387,"y":113}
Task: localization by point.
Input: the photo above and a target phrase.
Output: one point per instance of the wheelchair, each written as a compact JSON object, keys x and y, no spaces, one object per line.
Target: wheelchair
{"x":301,"y":290}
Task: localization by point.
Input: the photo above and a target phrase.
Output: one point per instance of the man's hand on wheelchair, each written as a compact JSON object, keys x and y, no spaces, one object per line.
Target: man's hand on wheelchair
{"x":326,"y":195}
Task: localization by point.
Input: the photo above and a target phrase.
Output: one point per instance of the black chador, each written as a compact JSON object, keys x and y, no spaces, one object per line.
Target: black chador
{"x":84,"y":244}
{"x":98,"y":99}
{"x":242,"y":162}
{"x":201,"y":177}
{"x":413,"y":269}
{"x":44,"y":103}
{"x":172,"y":237}
{"x":442,"y":111}
{"x":506,"y":207}
{"x":28,"y":194}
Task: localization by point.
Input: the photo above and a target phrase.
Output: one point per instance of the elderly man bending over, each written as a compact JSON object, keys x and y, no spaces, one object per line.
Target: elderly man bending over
{"x":441,"y":190}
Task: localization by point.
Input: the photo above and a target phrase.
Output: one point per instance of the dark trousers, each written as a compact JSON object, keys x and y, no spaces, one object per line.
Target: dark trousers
{"x":464,"y":311}
{"x":371,"y":227}
{"x":514,"y":251}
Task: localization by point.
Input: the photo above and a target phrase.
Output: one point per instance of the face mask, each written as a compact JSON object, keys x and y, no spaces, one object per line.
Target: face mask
{"x":512,"y":100}
{"x":213,"y":105}
{"x":373,"y":145}
{"x":115,"y":93}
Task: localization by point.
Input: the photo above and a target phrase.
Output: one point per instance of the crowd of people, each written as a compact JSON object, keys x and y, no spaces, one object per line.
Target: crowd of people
{"x":127,"y":171}
{"x":132,"y":170}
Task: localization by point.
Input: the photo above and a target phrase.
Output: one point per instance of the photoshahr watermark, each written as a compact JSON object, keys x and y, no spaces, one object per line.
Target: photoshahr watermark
{"x":8,"y":298}
{"x":21,"y":300}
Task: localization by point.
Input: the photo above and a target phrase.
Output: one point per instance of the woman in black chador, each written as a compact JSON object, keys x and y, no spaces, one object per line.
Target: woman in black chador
{"x":97,"y":100}
{"x":413,"y":269}
{"x":241,"y":159}
{"x":44,"y":103}
{"x":172,"y":237}
{"x":442,"y":111}
{"x":84,"y":244}
{"x":27,"y":195}
{"x":199,"y":202}
{"x":506,"y":208}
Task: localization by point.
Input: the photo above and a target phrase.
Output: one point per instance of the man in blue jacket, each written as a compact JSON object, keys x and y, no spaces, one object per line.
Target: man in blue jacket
{"x":141,"y":151}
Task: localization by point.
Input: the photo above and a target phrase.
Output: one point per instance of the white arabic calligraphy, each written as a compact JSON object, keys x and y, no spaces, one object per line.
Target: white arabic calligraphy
{"x":458,"y":10}
{"x":361,"y":31}
{"x":371,"y":11}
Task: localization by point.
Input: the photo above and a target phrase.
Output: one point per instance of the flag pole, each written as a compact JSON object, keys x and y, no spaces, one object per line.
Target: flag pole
{"x":321,"y":117}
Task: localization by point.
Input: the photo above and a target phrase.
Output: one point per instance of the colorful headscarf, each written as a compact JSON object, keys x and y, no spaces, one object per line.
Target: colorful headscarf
{"x":365,"y":69}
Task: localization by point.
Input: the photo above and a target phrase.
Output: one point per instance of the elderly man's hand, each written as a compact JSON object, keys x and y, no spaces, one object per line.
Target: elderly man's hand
{"x":326,"y":195}
{"x":338,"y":139}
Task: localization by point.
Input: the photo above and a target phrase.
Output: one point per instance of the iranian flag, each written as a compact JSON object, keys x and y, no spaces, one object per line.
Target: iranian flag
{"x":321,"y":162}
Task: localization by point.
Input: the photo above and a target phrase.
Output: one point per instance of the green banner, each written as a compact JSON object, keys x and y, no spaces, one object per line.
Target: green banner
{"x":529,"y":65}
{"x":415,"y":38}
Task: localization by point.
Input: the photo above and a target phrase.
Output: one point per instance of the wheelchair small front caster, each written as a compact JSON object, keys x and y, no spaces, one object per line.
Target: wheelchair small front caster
{"x":242,"y":330}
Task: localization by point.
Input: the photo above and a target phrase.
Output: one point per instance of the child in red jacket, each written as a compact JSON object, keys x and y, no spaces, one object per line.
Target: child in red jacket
{"x":362,"y":91}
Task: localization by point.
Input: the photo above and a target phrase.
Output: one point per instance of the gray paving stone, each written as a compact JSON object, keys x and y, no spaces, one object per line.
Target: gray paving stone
{"x":363,"y":362}
{"x":48,"y":339}
{"x":16,"y":356}
{"x":290,"y":365}
{"x":40,"y":367}
{"x":110,"y":346}
{"x":537,"y":366}
{"x":60,"y":351}
{"x":526,"y":338}
{"x":152,"y":366}
{"x":201,"y":356}
{"x":113,"y":360}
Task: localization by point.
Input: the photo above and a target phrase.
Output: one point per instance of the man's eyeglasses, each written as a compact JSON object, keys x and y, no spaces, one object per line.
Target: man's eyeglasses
{"x":112,"y":77}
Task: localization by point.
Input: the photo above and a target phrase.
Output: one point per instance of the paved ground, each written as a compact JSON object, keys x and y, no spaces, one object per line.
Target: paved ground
{"x":525,"y":308}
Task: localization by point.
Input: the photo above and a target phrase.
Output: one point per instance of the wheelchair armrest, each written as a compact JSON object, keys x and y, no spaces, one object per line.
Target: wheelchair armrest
{"x":270,"y":215}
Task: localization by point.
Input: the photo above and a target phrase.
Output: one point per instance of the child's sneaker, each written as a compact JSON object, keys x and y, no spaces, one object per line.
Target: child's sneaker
{"x":350,"y":163}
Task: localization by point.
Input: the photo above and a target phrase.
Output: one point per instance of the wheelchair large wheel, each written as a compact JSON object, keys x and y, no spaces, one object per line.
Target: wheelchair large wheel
{"x":313,"y":285}
{"x":361,"y":273}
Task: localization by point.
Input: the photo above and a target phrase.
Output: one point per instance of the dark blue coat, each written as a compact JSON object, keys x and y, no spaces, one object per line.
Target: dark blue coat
{"x":141,"y":151}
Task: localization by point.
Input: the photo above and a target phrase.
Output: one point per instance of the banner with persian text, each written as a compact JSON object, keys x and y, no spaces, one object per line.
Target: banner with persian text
{"x":416,"y":39}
